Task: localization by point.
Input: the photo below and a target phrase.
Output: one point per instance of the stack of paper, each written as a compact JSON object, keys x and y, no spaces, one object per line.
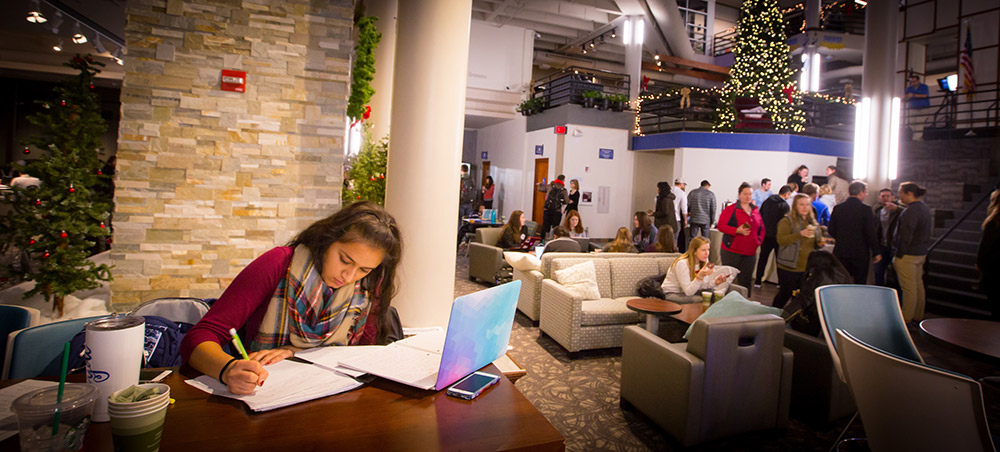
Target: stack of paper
{"x":288,"y":383}
{"x":413,"y":361}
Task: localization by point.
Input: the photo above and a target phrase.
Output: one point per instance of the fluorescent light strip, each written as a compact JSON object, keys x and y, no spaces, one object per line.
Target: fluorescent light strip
{"x":804,"y":73}
{"x":893,"y":165}
{"x":861,"y":127}
{"x":626,"y":38}
{"x":640,"y":31}
{"x":814,"y":73}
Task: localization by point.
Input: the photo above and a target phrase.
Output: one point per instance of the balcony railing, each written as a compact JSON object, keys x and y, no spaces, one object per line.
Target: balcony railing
{"x":841,"y":16}
{"x":825,"y":116}
{"x":568,"y":85}
{"x":954,"y":114}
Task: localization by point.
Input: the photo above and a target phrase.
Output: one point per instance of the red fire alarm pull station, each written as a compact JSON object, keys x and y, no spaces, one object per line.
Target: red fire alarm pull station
{"x":234,"y":81}
{"x":561,"y":130}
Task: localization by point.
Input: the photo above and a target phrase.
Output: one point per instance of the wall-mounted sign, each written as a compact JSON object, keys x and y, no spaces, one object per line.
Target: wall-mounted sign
{"x":606,"y":154}
{"x":560,"y":130}
{"x":233,"y":81}
{"x":539,"y":149}
{"x":484,"y":155}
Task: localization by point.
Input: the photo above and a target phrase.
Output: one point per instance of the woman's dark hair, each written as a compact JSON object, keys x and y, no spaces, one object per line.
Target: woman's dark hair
{"x":912,"y":187}
{"x":665,"y":240}
{"x":514,"y":223}
{"x":579,"y":225}
{"x":368,"y":223}
{"x":489,"y":182}
{"x":742,"y":186}
{"x":800,"y":168}
{"x":644,"y":224}
{"x":662,"y":187}
{"x":836,"y":172}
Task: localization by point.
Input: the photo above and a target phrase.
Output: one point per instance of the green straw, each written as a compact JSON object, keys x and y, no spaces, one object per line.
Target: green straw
{"x":62,"y":385}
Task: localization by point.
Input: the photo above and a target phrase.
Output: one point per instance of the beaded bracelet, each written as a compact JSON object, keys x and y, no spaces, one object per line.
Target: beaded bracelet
{"x":223,"y":371}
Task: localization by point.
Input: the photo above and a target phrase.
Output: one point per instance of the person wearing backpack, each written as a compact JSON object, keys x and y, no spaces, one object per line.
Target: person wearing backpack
{"x":466,"y":194}
{"x":798,"y":235}
{"x":556,"y":198}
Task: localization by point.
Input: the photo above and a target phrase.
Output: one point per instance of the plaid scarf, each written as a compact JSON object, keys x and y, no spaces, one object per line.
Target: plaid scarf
{"x":304,"y":312}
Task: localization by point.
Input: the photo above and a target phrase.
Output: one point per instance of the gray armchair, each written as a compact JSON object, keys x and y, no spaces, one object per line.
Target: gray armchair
{"x":732,"y":376}
{"x":818,"y":395}
{"x":485,"y":258}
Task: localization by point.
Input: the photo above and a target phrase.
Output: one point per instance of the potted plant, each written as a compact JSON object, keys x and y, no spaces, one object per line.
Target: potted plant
{"x":539,"y":104}
{"x":618,"y":101}
{"x":590,"y":98}
{"x":526,"y":107}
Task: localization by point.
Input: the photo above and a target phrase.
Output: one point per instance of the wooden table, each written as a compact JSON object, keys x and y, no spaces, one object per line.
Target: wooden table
{"x":690,"y":312}
{"x":382,"y":415}
{"x":654,"y":308}
{"x":979,"y":337}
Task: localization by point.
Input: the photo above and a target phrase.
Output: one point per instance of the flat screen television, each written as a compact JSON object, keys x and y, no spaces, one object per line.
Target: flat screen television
{"x":949,"y":83}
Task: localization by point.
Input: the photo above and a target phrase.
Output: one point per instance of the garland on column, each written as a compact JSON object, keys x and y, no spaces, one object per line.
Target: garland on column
{"x":58,"y":223}
{"x":761,"y":70}
{"x":363,"y":71}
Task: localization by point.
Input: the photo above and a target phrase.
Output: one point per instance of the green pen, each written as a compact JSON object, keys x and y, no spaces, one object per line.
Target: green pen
{"x":238,"y":344}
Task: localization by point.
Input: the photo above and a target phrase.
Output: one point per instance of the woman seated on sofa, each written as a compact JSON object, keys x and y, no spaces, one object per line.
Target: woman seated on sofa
{"x":691,"y":274}
{"x":644,"y":233}
{"x":621,"y":244}
{"x":575,"y":225}
{"x":514,"y":232}
{"x":664,"y":241}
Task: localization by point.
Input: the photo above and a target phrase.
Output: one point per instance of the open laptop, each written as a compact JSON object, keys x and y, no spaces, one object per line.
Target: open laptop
{"x":478,"y":333}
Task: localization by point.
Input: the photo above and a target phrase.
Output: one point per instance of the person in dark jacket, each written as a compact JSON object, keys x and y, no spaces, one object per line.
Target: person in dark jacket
{"x":822,"y":269}
{"x":988,"y":257}
{"x":853,"y":227}
{"x":574,"y":196}
{"x":561,"y":242}
{"x":799,"y":176}
{"x":664,"y":213}
{"x":556,"y":198}
{"x":514,"y":232}
{"x":886,"y":215}
{"x":913,"y":238}
{"x":772,"y":210}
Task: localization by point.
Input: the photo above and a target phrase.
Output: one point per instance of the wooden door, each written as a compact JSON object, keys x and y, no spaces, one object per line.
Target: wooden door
{"x":540,"y":188}
{"x":486,"y":172}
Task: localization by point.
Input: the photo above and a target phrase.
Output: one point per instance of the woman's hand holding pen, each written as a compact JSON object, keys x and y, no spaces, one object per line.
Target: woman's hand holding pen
{"x":244,"y":376}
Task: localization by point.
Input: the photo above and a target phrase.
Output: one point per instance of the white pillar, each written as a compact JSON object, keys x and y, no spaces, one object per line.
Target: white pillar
{"x":385,"y":55}
{"x":812,"y":13}
{"x":878,"y":83}
{"x":425,"y":150}
{"x":633,"y":54}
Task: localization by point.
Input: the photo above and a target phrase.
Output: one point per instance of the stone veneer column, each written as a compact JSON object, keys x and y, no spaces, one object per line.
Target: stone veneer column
{"x":425,"y":150}
{"x":208,"y":180}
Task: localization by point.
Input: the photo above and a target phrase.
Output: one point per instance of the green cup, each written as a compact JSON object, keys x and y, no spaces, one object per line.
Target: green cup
{"x":138,"y":430}
{"x":706,"y":298}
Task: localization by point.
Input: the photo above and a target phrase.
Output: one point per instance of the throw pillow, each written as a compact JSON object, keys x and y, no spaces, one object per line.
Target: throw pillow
{"x":733,"y":305}
{"x":580,"y":280}
{"x":522,"y":261}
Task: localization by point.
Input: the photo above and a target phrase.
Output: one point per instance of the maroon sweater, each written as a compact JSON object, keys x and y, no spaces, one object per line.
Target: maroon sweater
{"x":243,"y":304}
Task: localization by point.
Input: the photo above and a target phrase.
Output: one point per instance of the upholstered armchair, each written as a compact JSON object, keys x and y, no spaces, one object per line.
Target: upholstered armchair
{"x":485,"y":258}
{"x":733,"y":376}
{"x":818,"y":395}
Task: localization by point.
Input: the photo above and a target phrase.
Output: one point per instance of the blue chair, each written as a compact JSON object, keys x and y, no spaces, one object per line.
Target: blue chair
{"x":908,"y":405}
{"x":37,"y":351}
{"x":869,"y":313}
{"x":13,"y":318}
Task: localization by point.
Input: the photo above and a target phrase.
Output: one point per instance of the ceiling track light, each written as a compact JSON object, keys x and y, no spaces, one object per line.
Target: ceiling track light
{"x":56,"y":22}
{"x":591,"y":44}
{"x":35,"y":15}
{"x":614,"y":33}
{"x":59,"y":46}
{"x":78,"y":37}
{"x":98,"y":45}
{"x":583,"y":49}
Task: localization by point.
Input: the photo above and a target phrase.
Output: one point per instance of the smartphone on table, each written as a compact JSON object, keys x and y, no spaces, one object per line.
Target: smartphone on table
{"x":471,"y":386}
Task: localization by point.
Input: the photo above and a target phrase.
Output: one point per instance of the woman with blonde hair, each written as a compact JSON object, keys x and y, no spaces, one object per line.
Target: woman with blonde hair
{"x":622,"y":243}
{"x":574,"y":223}
{"x":988,"y":256}
{"x":798,"y":235}
{"x":827,"y":196}
{"x":690,"y":273}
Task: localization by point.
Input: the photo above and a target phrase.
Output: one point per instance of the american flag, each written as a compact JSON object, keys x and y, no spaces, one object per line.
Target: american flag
{"x":968,"y":70}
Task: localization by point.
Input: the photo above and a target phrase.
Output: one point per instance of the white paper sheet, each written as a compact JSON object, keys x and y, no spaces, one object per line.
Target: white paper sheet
{"x":330,"y":357}
{"x":399,"y":362}
{"x":288,"y":383}
{"x":8,"y":420}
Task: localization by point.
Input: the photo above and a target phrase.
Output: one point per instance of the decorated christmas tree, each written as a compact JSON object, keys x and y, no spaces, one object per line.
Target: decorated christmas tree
{"x":364,"y":177}
{"x":57,"y":224}
{"x":761,"y":71}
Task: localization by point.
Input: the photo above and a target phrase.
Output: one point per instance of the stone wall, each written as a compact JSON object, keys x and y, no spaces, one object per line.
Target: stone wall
{"x":207,"y":179}
{"x":945,"y":166}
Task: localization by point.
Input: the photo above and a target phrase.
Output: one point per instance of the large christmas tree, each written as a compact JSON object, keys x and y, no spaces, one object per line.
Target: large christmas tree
{"x":59,"y":222}
{"x":761,"y":71}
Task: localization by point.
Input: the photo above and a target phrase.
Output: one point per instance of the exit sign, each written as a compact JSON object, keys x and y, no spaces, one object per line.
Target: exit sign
{"x":560,"y":130}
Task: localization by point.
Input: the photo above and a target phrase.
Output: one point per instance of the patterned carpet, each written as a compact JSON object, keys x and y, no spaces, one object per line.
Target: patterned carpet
{"x":580,"y":397}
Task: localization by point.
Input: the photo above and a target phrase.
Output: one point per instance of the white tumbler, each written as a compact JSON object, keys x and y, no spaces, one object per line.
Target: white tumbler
{"x":113,"y":350}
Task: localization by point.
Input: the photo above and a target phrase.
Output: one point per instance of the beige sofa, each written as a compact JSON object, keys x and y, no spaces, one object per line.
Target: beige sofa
{"x":579,"y":324}
{"x":485,"y":258}
{"x":529,"y":301}
{"x":732,"y":377}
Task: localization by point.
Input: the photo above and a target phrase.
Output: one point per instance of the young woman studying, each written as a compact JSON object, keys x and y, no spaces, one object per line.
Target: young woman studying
{"x":691,"y":273}
{"x":574,"y":223}
{"x":514,"y":232}
{"x":332,"y":285}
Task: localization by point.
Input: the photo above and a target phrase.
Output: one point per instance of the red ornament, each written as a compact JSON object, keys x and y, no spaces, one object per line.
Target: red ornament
{"x":102,"y":225}
{"x":381,"y":176}
{"x":372,"y":178}
{"x":99,"y":172}
{"x":46,"y":255}
{"x":71,"y":189}
{"x":27,"y":150}
{"x":38,"y":202}
{"x":63,"y":102}
{"x":108,"y":240}
{"x":31,"y":242}
{"x":359,"y":196}
{"x":91,"y":86}
{"x":368,"y":112}
{"x":63,"y":235}
{"x":788,"y":90}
